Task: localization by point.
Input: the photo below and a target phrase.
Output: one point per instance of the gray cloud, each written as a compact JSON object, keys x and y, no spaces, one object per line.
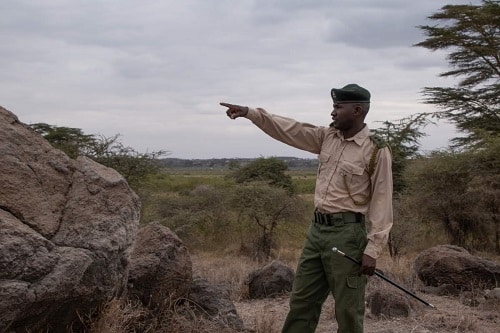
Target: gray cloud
{"x":155,"y":71}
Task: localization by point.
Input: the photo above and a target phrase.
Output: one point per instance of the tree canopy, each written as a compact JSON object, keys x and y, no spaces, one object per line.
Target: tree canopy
{"x":72,"y":141}
{"x":108,"y":151}
{"x":270,"y":170}
{"x":472,"y":33}
{"x":403,"y":139}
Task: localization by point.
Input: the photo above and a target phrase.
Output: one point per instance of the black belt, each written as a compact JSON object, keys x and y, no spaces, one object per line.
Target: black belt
{"x":331,"y":219}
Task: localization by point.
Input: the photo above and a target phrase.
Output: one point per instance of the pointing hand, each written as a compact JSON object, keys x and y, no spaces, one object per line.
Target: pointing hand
{"x":235,"y":111}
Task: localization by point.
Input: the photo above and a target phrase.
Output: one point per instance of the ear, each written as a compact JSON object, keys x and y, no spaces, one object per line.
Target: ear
{"x":358,"y":110}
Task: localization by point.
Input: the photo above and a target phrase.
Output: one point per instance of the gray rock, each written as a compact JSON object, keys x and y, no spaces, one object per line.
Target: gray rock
{"x":215,"y":303}
{"x":271,"y":280}
{"x":389,"y":304}
{"x":66,"y":230}
{"x":160,"y":267}
{"x":455,"y":266}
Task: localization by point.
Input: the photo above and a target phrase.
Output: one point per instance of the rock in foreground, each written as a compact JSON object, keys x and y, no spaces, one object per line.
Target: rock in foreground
{"x":66,"y":228}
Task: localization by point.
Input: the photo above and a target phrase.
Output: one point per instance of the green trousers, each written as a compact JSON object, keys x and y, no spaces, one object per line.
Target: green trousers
{"x":321,"y":271}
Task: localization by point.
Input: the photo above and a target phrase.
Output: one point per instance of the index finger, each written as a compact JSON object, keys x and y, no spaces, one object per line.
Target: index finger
{"x":231,"y":106}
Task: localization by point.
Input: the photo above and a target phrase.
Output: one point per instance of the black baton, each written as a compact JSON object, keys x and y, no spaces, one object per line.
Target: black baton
{"x":334,"y":249}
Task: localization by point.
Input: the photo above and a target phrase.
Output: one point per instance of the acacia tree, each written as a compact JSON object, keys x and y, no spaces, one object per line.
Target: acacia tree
{"x":108,"y":151}
{"x":131,"y":164}
{"x":266,"y":207}
{"x":472,"y":33}
{"x":458,"y":188}
{"x":72,"y":141}
{"x":402,"y":137}
{"x":270,"y":170}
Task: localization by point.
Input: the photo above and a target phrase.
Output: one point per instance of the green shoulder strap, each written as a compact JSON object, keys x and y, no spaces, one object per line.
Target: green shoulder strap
{"x":379,"y":143}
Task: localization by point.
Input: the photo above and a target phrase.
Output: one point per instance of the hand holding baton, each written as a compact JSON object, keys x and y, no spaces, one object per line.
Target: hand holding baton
{"x":334,"y":249}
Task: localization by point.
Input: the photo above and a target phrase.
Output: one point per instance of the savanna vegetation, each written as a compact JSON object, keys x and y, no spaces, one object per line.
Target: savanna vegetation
{"x":246,"y":215}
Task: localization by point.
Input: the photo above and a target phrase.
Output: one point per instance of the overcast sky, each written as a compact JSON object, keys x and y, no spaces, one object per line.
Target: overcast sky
{"x":154,"y":71}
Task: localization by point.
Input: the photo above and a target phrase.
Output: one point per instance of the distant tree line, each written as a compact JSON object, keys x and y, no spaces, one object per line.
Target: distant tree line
{"x":229,"y":163}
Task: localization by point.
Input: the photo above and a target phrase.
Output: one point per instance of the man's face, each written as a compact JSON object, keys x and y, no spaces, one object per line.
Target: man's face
{"x":343,"y":115}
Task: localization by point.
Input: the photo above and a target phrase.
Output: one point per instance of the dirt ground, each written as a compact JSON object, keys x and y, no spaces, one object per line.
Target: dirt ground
{"x":450,"y":315}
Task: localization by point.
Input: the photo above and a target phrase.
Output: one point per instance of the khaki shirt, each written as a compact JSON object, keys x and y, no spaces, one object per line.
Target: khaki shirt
{"x":341,"y":158}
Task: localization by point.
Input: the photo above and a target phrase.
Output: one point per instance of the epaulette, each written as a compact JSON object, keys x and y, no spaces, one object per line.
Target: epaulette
{"x":378,"y":141}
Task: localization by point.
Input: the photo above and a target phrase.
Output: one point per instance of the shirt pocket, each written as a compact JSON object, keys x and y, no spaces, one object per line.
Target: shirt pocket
{"x":353,"y":176}
{"x":326,"y":167}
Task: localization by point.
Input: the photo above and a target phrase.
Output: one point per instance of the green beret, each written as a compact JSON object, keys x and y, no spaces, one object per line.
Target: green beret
{"x":352,"y":93}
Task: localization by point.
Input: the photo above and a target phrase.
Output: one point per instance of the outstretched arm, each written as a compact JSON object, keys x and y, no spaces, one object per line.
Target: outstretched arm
{"x":296,"y":134}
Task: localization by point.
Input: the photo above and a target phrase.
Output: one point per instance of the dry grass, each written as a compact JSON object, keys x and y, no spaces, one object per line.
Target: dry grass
{"x":233,"y":271}
{"x":459,"y":324}
{"x":267,"y":315}
{"x":119,"y":316}
{"x":266,"y":322}
{"x":229,"y":271}
{"x":174,"y":316}
{"x":178,"y":316}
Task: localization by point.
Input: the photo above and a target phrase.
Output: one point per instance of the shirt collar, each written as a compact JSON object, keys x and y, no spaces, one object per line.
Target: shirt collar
{"x":358,"y":138}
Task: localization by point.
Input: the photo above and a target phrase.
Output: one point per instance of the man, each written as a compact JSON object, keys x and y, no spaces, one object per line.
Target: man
{"x":353,"y":185}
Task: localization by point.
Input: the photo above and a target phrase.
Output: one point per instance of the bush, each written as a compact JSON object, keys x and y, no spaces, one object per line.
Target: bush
{"x":269,"y":170}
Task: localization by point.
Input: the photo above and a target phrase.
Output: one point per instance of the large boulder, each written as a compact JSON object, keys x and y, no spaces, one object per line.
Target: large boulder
{"x":66,"y":230}
{"x":160,"y":267}
{"x":455,"y":266}
{"x":271,"y":280}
